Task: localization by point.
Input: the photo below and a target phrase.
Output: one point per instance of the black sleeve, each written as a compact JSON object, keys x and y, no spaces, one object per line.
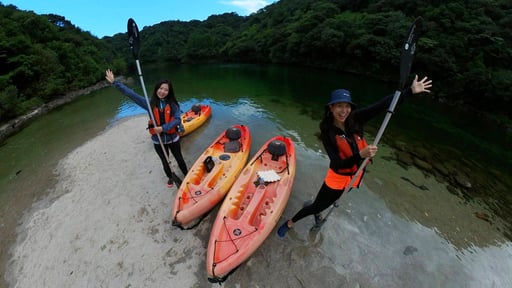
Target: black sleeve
{"x":365,"y":114}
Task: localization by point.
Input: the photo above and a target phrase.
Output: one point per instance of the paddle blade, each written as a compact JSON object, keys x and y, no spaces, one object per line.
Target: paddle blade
{"x":408,"y":49}
{"x":133,"y":37}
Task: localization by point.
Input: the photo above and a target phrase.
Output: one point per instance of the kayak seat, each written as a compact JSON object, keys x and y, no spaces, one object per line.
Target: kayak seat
{"x":196,"y":108}
{"x":233,"y":145}
{"x":276,"y":148}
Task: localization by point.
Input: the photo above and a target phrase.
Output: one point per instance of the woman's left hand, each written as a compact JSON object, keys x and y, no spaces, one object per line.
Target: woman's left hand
{"x":421,"y":86}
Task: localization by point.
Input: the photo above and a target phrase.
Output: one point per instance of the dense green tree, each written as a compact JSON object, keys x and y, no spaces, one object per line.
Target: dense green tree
{"x":42,"y":57}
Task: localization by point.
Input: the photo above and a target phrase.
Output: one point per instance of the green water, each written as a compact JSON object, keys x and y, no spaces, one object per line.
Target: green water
{"x":272,"y":99}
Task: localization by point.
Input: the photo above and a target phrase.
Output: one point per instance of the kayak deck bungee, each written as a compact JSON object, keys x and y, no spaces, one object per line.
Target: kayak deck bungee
{"x":195,"y":117}
{"x":211,"y":176}
{"x":251,"y":208}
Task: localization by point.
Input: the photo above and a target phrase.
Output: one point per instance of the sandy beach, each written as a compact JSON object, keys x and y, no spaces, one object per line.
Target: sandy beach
{"x":106,"y":224}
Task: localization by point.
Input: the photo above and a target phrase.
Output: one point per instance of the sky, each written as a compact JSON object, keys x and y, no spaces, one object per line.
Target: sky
{"x":109,"y":17}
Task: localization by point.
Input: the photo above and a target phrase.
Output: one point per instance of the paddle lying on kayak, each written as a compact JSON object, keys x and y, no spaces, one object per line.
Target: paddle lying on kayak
{"x":195,"y":117}
{"x":407,"y":54}
{"x":134,"y":43}
{"x":251,"y":208}
{"x":211,"y":176}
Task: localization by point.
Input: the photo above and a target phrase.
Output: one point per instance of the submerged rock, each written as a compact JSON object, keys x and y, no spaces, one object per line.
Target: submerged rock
{"x":409,"y":250}
{"x":463,"y":181}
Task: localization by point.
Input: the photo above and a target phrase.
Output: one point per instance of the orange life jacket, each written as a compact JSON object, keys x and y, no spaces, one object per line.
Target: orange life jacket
{"x":345,"y":151}
{"x":168,"y":117}
{"x":340,"y":178}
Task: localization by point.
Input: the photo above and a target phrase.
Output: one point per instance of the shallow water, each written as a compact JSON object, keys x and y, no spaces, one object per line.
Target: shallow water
{"x":403,"y":228}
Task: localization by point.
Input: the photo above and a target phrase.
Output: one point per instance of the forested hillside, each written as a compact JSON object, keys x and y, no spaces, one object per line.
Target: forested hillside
{"x":43,"y":57}
{"x":466,"y":47}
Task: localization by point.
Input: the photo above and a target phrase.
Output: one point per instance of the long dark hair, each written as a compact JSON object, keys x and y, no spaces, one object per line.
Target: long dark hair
{"x":327,"y":122}
{"x":169,"y":99}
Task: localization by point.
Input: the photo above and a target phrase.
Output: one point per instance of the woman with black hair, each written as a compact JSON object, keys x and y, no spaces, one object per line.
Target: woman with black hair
{"x":341,"y":133}
{"x":167,"y":114}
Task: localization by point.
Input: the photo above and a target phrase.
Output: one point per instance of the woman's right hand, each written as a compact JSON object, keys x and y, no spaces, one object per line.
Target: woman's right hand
{"x":109,"y":75}
{"x":158,"y":129}
{"x":368,"y":151}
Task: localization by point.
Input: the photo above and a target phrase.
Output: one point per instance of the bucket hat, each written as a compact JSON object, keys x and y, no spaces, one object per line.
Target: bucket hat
{"x":341,"y":95}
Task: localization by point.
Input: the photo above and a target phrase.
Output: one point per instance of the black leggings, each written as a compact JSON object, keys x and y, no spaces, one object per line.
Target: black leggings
{"x":175,"y":148}
{"x":325,"y":198}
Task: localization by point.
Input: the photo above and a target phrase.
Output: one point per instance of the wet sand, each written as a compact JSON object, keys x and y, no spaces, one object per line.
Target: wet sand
{"x":106,"y":223}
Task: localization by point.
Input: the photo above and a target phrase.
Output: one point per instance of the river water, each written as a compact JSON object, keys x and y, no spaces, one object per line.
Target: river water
{"x":405,"y":227}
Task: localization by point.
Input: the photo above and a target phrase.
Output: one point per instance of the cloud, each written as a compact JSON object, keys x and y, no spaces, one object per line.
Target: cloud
{"x":250,"y":6}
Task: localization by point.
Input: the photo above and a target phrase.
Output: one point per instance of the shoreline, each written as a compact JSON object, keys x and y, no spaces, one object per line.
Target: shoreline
{"x":15,"y":125}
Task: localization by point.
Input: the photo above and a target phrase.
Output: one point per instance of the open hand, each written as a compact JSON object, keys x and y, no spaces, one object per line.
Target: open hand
{"x":421,"y":86}
{"x":109,"y":75}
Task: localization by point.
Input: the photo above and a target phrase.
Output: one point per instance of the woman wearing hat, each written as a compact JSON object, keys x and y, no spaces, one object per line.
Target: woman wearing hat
{"x":341,"y":132}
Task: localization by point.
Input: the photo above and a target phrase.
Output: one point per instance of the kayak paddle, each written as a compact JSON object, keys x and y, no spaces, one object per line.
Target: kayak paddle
{"x":134,"y":43}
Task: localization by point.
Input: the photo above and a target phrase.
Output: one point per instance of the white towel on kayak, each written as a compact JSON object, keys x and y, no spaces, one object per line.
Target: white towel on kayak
{"x":269,"y":176}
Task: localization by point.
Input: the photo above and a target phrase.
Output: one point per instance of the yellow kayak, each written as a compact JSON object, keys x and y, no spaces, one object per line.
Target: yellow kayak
{"x":211,"y":176}
{"x":195,"y":117}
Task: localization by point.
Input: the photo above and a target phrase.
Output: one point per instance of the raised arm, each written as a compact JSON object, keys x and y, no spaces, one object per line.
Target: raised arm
{"x":136,"y":98}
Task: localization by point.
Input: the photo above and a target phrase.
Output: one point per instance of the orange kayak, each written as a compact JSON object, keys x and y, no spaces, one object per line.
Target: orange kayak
{"x":195,"y":117}
{"x":211,"y":176}
{"x":251,"y":208}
